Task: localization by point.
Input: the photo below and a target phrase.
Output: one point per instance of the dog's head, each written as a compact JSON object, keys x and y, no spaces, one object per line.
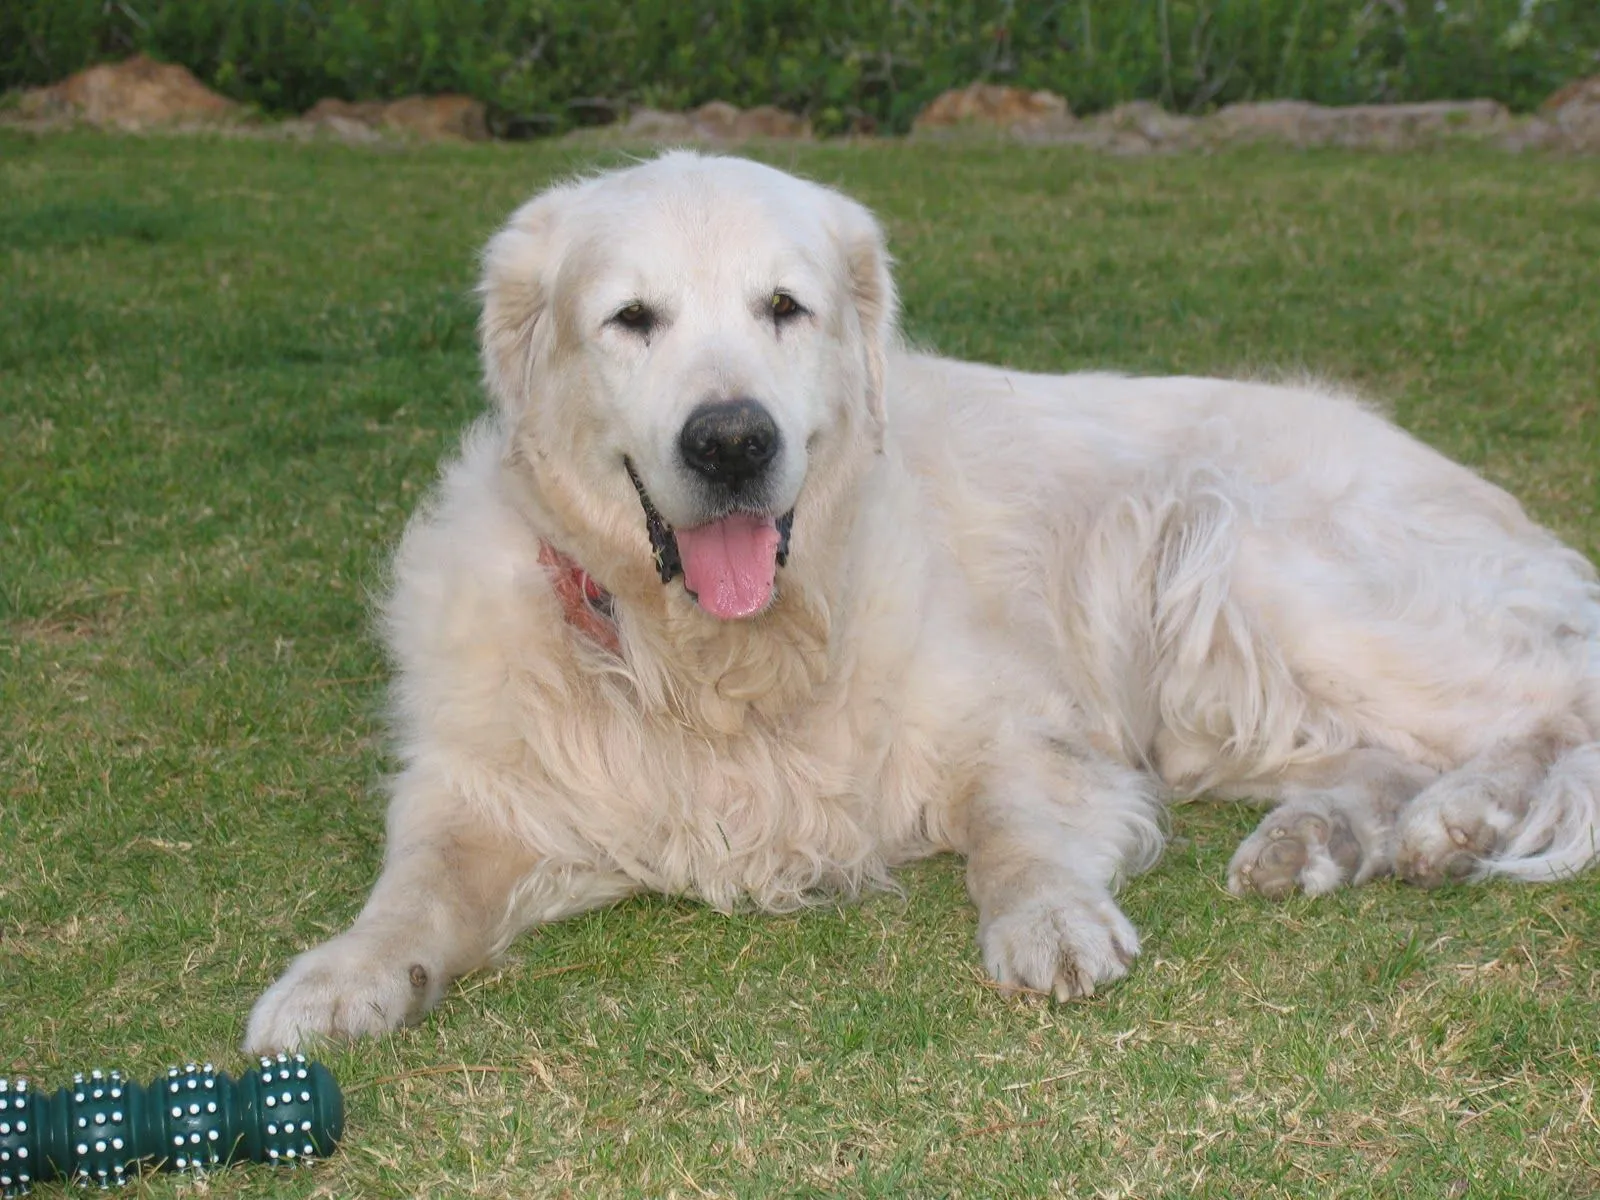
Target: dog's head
{"x":690,"y":356}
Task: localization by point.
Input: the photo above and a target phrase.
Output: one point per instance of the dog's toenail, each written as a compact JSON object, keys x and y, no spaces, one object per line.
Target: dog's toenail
{"x":1275,"y":834}
{"x":1459,"y":835}
{"x":419,"y":975}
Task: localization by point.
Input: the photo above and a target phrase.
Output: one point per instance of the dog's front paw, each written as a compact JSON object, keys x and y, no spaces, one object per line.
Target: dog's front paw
{"x":1063,"y":943}
{"x":354,"y":986}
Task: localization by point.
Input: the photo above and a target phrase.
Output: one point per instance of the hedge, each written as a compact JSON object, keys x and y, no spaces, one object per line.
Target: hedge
{"x":547,"y":65}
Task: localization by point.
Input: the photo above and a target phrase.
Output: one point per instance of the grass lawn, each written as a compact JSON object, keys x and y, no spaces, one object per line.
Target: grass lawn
{"x":227,"y":372}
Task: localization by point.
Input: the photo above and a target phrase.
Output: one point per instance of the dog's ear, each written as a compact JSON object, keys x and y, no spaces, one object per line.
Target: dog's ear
{"x":871,"y":280}
{"x":514,"y":286}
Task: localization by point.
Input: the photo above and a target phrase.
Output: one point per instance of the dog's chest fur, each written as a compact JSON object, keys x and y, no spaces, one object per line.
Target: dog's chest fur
{"x":824,"y":798}
{"x":668,"y":763}
{"x":859,"y":771}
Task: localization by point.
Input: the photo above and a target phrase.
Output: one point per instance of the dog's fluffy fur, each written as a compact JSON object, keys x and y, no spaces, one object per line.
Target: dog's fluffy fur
{"x":1020,"y":611}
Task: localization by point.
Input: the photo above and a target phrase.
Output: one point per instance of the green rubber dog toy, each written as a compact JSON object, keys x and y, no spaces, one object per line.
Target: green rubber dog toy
{"x":104,"y":1129}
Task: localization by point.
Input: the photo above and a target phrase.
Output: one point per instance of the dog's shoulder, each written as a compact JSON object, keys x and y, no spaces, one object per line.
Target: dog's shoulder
{"x":466,"y":591}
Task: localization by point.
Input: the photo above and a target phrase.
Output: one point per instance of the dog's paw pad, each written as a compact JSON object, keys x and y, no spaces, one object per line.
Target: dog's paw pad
{"x":1295,"y":849}
{"x":1063,"y":945}
{"x":1447,"y":833}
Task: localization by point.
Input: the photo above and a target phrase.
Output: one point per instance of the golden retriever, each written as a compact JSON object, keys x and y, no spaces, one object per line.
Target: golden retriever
{"x":732,"y":596}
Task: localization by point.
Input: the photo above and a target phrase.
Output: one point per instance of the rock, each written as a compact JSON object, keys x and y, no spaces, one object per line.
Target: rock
{"x":1374,"y":126}
{"x":1138,"y":127}
{"x":356,"y":123}
{"x":1150,"y":121}
{"x":436,"y":118}
{"x":364,"y":112}
{"x":1033,"y":116}
{"x":1282,"y":119}
{"x":1579,"y":91}
{"x":137,"y":93}
{"x":1574,"y":115}
{"x":766,"y":121}
{"x":344,"y":129}
{"x":716,"y":121}
{"x":649,"y":125}
{"x":429,"y":118}
{"x":342,"y":120}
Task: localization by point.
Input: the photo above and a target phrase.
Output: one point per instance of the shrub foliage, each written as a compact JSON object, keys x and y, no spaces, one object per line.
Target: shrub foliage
{"x":547,"y":65}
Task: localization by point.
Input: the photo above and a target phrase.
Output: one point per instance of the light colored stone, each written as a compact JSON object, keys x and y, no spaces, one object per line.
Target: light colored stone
{"x":1137,"y":127}
{"x":720,"y":121}
{"x":1574,"y":112}
{"x":344,"y":129}
{"x":137,"y":93}
{"x":767,"y":121}
{"x":445,"y":117}
{"x":648,"y":125}
{"x":1285,"y":120}
{"x":1579,"y":91}
{"x":1367,"y":126}
{"x":330,"y":108}
{"x":716,"y":121}
{"x":1149,"y":120}
{"x":988,"y":107}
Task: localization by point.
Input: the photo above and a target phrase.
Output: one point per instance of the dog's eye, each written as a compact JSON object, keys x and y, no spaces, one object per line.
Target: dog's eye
{"x":784,"y":306}
{"x":635,"y":317}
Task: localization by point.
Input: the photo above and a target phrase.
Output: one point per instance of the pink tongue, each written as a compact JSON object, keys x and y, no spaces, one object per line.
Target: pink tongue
{"x":729,"y":564}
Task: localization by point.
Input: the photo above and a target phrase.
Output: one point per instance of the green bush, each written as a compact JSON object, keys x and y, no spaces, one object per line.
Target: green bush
{"x":547,"y":65}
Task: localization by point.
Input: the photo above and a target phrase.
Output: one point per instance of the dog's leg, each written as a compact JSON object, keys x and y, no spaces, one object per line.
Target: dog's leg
{"x":453,"y":892}
{"x":1047,"y":837}
{"x":1334,"y":825}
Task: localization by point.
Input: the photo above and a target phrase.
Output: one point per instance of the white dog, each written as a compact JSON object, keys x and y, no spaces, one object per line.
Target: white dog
{"x":732,"y":597}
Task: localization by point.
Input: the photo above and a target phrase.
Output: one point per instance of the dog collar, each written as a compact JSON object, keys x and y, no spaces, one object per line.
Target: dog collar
{"x":588,"y":607}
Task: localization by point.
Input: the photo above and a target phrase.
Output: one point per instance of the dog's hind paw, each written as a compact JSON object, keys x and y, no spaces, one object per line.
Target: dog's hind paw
{"x":1063,"y":944}
{"x":1450,"y":829}
{"x":1301,"y":845}
{"x":351,"y":987}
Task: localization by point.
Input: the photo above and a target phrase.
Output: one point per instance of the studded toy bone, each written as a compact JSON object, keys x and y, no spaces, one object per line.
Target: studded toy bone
{"x":103,"y":1128}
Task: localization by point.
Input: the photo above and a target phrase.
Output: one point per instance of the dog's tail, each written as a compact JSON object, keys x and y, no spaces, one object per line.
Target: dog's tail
{"x":1560,"y":834}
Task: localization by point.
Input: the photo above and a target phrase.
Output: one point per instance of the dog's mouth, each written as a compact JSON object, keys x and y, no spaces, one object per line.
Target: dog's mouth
{"x":730,"y":565}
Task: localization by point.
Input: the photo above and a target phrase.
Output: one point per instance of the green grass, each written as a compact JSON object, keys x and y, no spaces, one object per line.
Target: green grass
{"x":227,"y":371}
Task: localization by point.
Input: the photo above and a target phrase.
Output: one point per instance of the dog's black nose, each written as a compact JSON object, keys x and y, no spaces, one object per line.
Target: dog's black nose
{"x":729,"y":442}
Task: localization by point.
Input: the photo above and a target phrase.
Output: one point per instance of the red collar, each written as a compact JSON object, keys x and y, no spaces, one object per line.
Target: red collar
{"x":586,"y":605}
